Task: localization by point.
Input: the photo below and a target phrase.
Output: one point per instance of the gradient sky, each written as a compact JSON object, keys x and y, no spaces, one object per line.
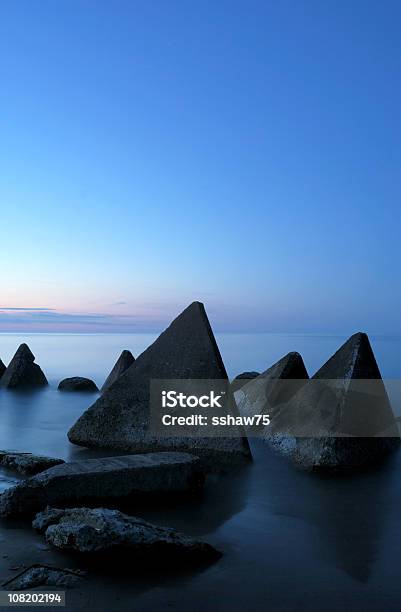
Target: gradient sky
{"x":245,"y":154}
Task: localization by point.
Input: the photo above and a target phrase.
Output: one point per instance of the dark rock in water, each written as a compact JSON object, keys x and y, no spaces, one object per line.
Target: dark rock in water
{"x":125,"y":360}
{"x":38,"y":575}
{"x":77,"y":383}
{"x":241,"y":380}
{"x":26,"y":463}
{"x":104,"y":480}
{"x":342,"y":418}
{"x":101,"y":530}
{"x":120,"y":418}
{"x":22,"y":371}
{"x":2,"y":368}
{"x":274,"y":386}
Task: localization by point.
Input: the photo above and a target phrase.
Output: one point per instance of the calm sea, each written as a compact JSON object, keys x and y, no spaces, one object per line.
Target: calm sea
{"x":290,"y":540}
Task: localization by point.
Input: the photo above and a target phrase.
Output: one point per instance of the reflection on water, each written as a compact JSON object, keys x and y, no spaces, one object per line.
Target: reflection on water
{"x":289,"y":539}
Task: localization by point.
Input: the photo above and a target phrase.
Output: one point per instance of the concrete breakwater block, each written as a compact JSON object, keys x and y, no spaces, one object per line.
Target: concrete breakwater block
{"x":102,"y":480}
{"x":125,"y":360}
{"x":341,"y":419}
{"x":120,"y":418}
{"x":22,"y":372}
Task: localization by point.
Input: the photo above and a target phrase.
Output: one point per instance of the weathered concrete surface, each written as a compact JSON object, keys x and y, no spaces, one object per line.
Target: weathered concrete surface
{"x":342,"y":418}
{"x":101,"y":530}
{"x":42,"y":575}
{"x":77,"y":383}
{"x":241,"y":380}
{"x":22,"y":371}
{"x":106,"y":479}
{"x":125,"y":360}
{"x":120,"y":418}
{"x":26,"y":463}
{"x":2,"y":368}
{"x":274,"y":386}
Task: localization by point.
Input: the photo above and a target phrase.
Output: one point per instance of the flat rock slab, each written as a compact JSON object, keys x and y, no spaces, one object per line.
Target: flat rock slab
{"x":26,"y":463}
{"x":42,"y":575}
{"x":77,"y":383}
{"x":125,"y":360}
{"x":101,"y":530}
{"x":120,"y":418}
{"x":101,"y":480}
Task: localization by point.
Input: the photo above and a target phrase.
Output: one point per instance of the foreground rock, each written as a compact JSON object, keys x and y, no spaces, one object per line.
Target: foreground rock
{"x":100,"y":530}
{"x":120,"y":418}
{"x":77,"y":383}
{"x":2,"y":368}
{"x":342,"y":418}
{"x":241,"y":380}
{"x":22,"y":372}
{"x":274,"y":386}
{"x":42,"y":575}
{"x":26,"y":463}
{"x":125,"y":360}
{"x":104,"y":480}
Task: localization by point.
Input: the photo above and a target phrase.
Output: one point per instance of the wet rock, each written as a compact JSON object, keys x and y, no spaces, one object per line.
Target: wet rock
{"x":125,"y":360}
{"x":120,"y":418}
{"x":241,"y":380}
{"x":101,"y":530}
{"x":104,"y":480}
{"x":274,"y":386}
{"x":77,"y":383}
{"x":2,"y":368}
{"x":26,"y":463}
{"x":342,"y":418}
{"x":22,"y":372}
{"x":42,"y":575}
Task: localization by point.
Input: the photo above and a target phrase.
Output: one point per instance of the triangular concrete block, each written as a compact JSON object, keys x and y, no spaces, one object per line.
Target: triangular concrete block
{"x":274,"y":386}
{"x":125,"y":360}
{"x":22,"y":371}
{"x":342,"y":418}
{"x":120,"y":418}
{"x":2,"y":368}
{"x":242,"y":379}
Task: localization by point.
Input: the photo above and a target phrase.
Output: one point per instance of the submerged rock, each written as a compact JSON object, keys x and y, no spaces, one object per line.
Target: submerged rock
{"x":26,"y":463}
{"x":104,"y":480}
{"x":120,"y":418}
{"x":22,"y":371}
{"x":2,"y":368}
{"x":125,"y":360}
{"x":77,"y":383}
{"x":38,"y":575}
{"x":241,"y":380}
{"x":342,"y":418}
{"x":101,"y":530}
{"x":274,"y":386}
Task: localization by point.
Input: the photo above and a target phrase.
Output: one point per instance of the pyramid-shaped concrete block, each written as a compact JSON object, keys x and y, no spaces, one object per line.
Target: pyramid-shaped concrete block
{"x":125,"y":360}
{"x":2,"y":368}
{"x":120,"y":418}
{"x":22,"y":371}
{"x":342,"y":418}
{"x":242,"y":379}
{"x":274,"y":386}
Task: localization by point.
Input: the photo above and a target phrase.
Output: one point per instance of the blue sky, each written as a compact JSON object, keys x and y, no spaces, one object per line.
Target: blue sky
{"x":245,"y":154}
